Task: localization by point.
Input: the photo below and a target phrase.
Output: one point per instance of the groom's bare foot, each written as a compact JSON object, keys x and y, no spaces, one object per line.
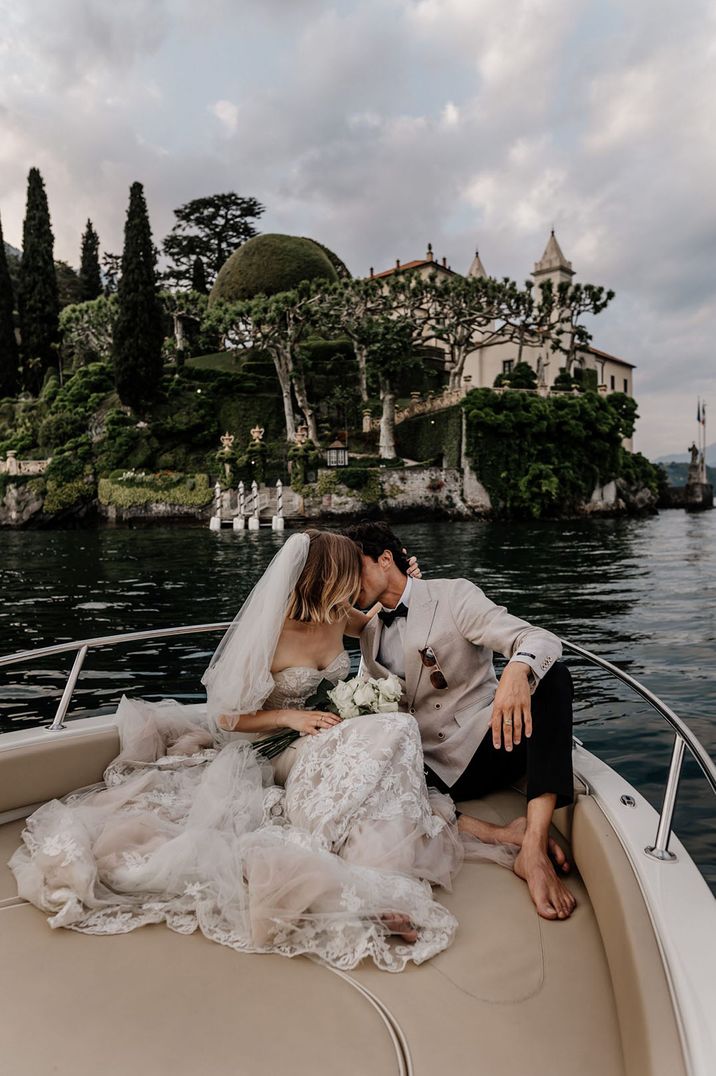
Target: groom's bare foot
{"x":550,"y":896}
{"x":401,"y":925}
{"x":513,"y":833}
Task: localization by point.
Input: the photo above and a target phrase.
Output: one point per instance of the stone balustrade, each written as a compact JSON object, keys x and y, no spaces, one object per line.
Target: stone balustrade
{"x":13,"y":466}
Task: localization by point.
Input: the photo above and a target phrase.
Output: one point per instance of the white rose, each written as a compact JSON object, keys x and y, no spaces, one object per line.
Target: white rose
{"x":365,"y":696}
{"x":390,"y":689}
{"x":342,"y":693}
{"x":386,"y":708}
{"x":349,"y":709}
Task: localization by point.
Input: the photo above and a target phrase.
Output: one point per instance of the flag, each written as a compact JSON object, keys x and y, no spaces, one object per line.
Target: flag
{"x":703,"y":414}
{"x":698,"y":409}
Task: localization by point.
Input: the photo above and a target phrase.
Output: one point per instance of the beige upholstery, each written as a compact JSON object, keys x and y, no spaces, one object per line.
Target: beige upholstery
{"x":513,"y":994}
{"x":43,"y":770}
{"x":649,"y":1030}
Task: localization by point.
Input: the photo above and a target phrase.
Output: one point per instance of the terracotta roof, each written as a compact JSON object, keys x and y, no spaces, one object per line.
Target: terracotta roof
{"x":612,"y":358}
{"x":413,"y":265}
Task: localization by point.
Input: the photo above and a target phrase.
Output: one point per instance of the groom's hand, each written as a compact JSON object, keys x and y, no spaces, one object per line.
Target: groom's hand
{"x":511,"y":710}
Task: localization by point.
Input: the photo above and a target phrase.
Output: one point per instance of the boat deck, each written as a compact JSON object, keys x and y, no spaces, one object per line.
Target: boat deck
{"x":514,"y":993}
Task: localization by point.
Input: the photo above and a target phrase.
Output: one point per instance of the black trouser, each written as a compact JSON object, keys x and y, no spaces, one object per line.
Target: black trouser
{"x":546,"y":756}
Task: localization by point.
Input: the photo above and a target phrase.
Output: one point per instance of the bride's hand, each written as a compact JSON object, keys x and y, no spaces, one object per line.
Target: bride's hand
{"x":413,"y":567}
{"x":308,"y":722}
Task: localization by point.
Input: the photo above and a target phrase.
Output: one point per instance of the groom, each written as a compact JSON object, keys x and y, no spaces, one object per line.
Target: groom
{"x":478,"y":734}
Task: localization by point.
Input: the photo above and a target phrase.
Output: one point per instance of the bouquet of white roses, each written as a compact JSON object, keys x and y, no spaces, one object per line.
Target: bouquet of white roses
{"x":375,"y":695}
{"x":349,"y":698}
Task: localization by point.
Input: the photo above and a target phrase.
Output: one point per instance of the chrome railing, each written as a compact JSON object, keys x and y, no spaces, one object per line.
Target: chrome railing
{"x":683,"y":736}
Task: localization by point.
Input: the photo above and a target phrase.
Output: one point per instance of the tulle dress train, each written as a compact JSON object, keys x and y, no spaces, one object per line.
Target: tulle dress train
{"x":199,"y":835}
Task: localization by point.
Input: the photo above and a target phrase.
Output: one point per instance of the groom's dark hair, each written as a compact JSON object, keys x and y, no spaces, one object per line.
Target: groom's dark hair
{"x":373,"y":538}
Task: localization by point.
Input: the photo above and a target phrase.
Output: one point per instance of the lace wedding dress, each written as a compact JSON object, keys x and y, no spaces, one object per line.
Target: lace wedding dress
{"x":196,"y":832}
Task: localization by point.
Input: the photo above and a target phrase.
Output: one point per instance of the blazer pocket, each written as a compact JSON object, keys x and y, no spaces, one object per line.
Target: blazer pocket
{"x":465,"y":714}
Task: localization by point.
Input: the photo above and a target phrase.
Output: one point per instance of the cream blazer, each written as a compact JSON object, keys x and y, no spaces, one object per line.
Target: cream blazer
{"x":464,"y":628}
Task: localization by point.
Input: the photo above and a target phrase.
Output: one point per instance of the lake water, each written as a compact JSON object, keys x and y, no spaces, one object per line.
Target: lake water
{"x":639,"y":592}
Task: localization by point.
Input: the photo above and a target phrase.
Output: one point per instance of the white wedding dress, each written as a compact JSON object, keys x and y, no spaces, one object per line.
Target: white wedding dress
{"x":195,"y":832}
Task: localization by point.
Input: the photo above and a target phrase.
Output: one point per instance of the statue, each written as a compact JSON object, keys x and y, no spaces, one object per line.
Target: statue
{"x":227,"y":441}
{"x":257,"y":434}
{"x":694,"y":453}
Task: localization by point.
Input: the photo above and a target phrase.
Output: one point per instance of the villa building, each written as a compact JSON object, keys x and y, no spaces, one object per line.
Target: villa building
{"x":497,"y":356}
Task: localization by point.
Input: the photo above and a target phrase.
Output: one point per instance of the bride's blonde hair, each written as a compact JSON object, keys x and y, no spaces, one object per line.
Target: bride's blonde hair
{"x":330,"y":581}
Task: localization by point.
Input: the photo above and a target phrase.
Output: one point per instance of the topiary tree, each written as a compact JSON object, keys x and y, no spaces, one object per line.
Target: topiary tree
{"x":522,"y":376}
{"x":338,"y":264}
{"x":269,"y":264}
{"x":9,"y":371}
{"x":139,"y":329}
{"x":90,"y":276}
{"x":38,"y":300}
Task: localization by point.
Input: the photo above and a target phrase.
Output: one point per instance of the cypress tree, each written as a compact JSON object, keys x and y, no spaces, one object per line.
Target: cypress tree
{"x":139,"y":330}
{"x":38,"y":300}
{"x":9,"y":374}
{"x":90,"y":276}
{"x":198,"y":276}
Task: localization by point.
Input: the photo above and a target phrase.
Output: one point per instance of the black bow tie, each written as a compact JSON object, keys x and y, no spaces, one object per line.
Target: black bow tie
{"x":389,"y":615}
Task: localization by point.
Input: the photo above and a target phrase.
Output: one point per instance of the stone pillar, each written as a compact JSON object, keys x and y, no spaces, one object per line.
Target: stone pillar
{"x":278,"y":522}
{"x":12,"y":466}
{"x":239,"y":523}
{"x":367,"y":421}
{"x":254,"y":519}
{"x":215,"y":521}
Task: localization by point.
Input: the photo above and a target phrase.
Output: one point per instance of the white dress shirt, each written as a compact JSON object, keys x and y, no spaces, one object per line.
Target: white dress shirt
{"x":391,"y":651}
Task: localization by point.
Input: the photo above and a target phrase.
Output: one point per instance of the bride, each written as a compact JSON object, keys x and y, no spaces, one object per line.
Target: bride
{"x":330,"y":849}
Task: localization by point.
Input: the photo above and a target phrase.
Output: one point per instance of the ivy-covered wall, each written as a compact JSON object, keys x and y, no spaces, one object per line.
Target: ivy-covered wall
{"x":541,"y":456}
{"x":432,"y":437}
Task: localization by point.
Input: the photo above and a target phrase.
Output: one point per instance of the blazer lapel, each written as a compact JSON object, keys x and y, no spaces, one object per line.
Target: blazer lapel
{"x":421,"y":614}
{"x":370,"y":645}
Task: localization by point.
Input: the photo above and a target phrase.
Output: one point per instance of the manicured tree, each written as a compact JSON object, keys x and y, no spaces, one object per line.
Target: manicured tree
{"x":9,"y":374}
{"x":139,"y":330}
{"x":198,"y":277}
{"x":38,"y":300}
{"x":90,"y":276}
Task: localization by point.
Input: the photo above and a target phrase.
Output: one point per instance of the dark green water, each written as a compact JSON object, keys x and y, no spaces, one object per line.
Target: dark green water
{"x":638,"y":592}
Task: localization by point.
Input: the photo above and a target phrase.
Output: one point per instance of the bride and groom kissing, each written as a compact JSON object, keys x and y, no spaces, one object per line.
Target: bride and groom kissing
{"x":332,"y":847}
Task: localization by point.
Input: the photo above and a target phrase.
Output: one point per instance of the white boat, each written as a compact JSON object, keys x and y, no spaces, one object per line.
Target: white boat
{"x":626,"y":987}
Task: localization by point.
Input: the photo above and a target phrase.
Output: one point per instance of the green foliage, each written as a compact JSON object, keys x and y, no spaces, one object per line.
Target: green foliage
{"x":88,"y":331}
{"x":9,"y":357}
{"x":139,"y":329}
{"x":522,"y":376}
{"x":133,"y":489}
{"x":90,"y":276}
{"x":38,"y":299}
{"x":269,"y":264}
{"x":72,"y":462}
{"x":69,"y":287}
{"x":430,"y":438}
{"x":563,"y":382}
{"x":338,"y":264}
{"x":63,"y":495}
{"x":198,"y":277}
{"x":541,"y":456}
{"x":209,"y":230}
{"x":638,"y":471}
{"x":586,"y":379}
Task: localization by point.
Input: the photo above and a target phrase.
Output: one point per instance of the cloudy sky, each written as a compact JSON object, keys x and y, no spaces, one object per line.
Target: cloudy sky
{"x":376,"y":126}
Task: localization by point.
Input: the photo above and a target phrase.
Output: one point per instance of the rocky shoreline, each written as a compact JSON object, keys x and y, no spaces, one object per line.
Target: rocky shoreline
{"x":424,"y":493}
